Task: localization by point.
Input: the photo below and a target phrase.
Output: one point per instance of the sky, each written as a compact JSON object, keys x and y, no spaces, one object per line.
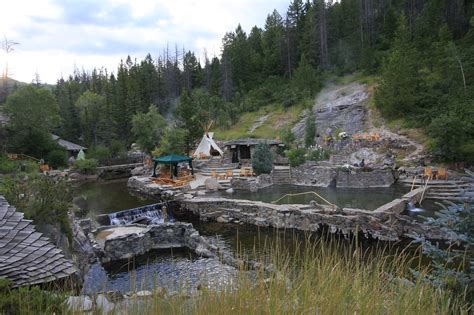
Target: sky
{"x":56,"y":36}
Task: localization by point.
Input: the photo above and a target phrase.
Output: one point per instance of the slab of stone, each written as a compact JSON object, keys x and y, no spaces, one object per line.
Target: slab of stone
{"x":81,"y":303}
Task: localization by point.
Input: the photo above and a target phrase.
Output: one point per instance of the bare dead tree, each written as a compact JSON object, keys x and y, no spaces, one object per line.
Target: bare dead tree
{"x":7,"y":46}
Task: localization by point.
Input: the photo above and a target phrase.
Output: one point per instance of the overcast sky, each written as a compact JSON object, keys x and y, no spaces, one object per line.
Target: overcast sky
{"x":56,"y":35}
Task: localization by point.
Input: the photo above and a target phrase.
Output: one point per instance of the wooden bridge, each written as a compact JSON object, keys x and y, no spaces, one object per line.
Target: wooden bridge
{"x":26,"y":256}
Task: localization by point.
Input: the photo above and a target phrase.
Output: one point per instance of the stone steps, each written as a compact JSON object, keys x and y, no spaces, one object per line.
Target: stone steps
{"x":281,"y":175}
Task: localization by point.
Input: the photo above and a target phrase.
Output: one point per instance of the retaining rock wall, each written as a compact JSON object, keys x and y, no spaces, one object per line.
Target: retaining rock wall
{"x":252,"y":184}
{"x":116,"y":242}
{"x":312,"y":174}
{"x":382,"y":225}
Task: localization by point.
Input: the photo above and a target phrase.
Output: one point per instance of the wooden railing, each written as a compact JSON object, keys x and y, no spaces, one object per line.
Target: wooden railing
{"x":20,"y":156}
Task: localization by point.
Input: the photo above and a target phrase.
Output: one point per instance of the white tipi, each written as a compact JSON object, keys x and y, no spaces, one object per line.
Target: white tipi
{"x":206,"y":146}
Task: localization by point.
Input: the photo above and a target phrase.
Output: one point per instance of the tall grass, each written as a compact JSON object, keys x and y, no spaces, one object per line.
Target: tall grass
{"x":314,"y":277}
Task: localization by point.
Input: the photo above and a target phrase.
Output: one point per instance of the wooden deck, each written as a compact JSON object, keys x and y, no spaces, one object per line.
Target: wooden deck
{"x":26,"y":256}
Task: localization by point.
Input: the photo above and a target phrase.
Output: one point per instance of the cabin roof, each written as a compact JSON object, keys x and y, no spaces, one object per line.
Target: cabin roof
{"x":26,"y":256}
{"x":67,"y":144}
{"x":252,"y":141}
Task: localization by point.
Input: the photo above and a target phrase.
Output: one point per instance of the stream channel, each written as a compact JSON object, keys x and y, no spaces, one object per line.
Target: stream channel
{"x":180,"y":269}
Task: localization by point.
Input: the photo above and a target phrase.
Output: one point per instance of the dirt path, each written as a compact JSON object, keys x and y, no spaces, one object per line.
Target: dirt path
{"x":259,"y":122}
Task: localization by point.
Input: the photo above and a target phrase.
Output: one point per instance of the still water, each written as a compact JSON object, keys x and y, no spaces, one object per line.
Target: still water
{"x":368,"y":198}
{"x":180,"y":269}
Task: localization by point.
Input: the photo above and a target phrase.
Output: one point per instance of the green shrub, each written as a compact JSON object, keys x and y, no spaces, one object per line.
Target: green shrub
{"x":118,"y":148}
{"x":296,"y":157}
{"x":262,"y":161}
{"x":310,"y":129}
{"x":87,"y":166}
{"x":43,"y":199}
{"x":99,"y":152}
{"x":57,"y":158}
{"x":31,"y":300}
{"x":318,"y":155}
{"x":7,"y":166}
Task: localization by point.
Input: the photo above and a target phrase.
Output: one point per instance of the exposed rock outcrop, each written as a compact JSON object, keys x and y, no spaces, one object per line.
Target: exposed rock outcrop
{"x":124,"y":242}
{"x":252,"y":184}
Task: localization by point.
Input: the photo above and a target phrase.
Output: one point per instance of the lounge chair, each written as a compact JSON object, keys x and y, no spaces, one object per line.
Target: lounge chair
{"x":428,"y":173}
{"x":442,"y":173}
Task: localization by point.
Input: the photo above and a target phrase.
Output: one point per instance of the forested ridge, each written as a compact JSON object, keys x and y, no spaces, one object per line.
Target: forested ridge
{"x":421,"y":52}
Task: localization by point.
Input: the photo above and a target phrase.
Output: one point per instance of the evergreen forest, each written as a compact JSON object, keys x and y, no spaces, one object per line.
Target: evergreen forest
{"x":420,"y":52}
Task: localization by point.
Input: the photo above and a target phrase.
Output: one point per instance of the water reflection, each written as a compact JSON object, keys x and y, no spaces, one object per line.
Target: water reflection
{"x":176,"y":272}
{"x":104,"y":197}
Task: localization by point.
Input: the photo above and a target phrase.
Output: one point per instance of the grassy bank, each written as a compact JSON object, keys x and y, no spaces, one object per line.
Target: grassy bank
{"x":279,"y":118}
{"x":320,"y":277}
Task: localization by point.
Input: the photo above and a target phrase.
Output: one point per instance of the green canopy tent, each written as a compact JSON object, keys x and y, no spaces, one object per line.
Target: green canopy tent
{"x":172,"y":160}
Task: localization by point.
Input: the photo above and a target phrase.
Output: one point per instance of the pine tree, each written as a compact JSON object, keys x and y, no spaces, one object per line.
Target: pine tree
{"x":398,"y":92}
{"x":310,"y":129}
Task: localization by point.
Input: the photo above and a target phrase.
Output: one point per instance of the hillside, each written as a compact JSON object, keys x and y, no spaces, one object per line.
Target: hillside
{"x":345,"y":104}
{"x":7,"y":86}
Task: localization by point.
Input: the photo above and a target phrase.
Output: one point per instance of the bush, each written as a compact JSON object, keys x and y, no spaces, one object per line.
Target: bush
{"x":262,"y":161}
{"x":296,"y":157}
{"x":117,"y":148}
{"x":99,"y":152}
{"x":87,"y":166}
{"x":310,"y":129}
{"x":287,"y":136}
{"x":43,"y":199}
{"x":318,"y":155}
{"x":7,"y":166}
{"x":57,"y":158}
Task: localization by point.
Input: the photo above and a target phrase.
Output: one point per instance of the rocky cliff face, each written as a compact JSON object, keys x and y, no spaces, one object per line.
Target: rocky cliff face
{"x":337,"y":107}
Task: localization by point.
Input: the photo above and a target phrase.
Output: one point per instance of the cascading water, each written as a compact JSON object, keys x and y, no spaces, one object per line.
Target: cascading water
{"x":151,"y":214}
{"x":411,"y":208}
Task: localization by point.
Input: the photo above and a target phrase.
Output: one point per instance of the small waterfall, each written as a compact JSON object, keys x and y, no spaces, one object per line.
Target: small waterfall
{"x":411,"y":208}
{"x":151,"y":214}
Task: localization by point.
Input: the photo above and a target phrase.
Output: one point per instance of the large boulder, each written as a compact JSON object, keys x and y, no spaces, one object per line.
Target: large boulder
{"x":212,"y":184}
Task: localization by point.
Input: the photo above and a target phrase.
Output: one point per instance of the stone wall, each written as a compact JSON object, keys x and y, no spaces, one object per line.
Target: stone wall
{"x":399,"y":205}
{"x":383,"y":226}
{"x":252,"y":184}
{"x":142,"y":185}
{"x":312,"y":174}
{"x":114,"y":243}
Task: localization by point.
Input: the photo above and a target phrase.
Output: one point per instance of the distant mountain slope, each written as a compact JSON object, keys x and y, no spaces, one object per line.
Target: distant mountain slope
{"x":7,"y":86}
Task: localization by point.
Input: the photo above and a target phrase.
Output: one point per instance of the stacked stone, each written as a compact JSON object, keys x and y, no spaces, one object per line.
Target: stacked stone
{"x":26,"y":256}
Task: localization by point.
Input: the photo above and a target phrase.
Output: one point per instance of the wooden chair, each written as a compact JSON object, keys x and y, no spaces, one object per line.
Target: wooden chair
{"x":230,"y":173}
{"x":428,"y":173}
{"x":442,"y":173}
{"x":213,"y":174}
{"x":44,"y":167}
{"x":222,"y":176}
